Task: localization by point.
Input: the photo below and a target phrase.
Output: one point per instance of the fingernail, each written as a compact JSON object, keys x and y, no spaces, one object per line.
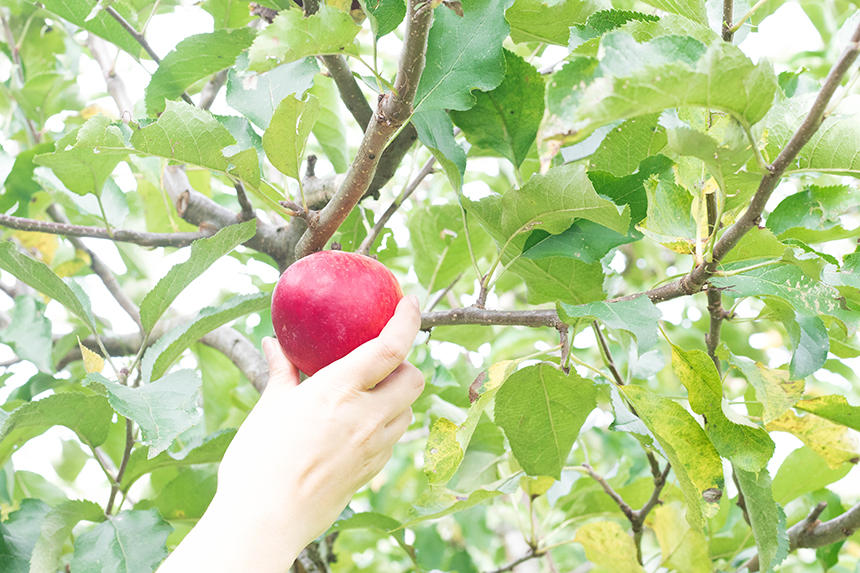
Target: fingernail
{"x":267,"y":347}
{"x":414,"y":300}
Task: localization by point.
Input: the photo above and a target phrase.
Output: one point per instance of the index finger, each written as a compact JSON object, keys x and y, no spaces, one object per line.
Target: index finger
{"x":368,"y":364}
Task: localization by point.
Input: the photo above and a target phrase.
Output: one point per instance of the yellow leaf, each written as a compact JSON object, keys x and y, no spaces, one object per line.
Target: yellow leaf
{"x":92,"y":361}
{"x":608,"y":545}
{"x":95,"y":109}
{"x":45,"y":243}
{"x":833,"y":442}
{"x":71,"y":268}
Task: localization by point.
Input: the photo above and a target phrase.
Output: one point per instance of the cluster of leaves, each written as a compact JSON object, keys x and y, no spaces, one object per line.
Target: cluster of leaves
{"x":602,"y":175}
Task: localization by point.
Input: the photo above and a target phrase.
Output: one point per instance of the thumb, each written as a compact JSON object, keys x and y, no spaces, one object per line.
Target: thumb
{"x":282,"y":373}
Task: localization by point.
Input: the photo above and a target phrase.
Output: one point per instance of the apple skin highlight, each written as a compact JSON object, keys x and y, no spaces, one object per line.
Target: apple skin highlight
{"x":328,"y":304}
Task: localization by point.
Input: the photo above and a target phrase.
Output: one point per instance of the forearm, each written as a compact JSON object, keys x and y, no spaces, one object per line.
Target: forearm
{"x":232,"y":537}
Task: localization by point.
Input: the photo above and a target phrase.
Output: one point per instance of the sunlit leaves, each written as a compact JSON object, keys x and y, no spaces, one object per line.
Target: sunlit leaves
{"x":204,"y":252}
{"x":55,"y":530}
{"x":257,"y":95}
{"x":194,"y":58}
{"x":103,"y":25}
{"x":833,"y":442}
{"x":292,"y":37}
{"x":541,"y":411}
{"x":288,"y":132}
{"x":692,"y":9}
{"x":19,"y":534}
{"x":438,"y":502}
{"x":692,"y":455}
{"x":442,"y":454}
{"x":626,"y":146}
{"x":132,"y":541}
{"x":681,"y":548}
{"x":774,"y":389}
{"x":804,"y":471}
{"x":815,"y":208}
{"x":834,"y":408}
{"x":163,"y":409}
{"x":29,"y":333}
{"x":602,"y":22}
{"x":608,"y":545}
{"x":463,"y":54}
{"x":504,"y":121}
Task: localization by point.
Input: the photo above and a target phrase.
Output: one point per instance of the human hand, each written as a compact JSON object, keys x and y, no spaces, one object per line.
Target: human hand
{"x":305,"y":449}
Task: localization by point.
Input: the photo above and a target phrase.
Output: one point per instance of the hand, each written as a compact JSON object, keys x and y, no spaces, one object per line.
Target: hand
{"x":305,"y":449}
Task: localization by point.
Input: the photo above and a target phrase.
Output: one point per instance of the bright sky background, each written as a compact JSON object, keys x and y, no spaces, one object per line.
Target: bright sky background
{"x":784,"y":34}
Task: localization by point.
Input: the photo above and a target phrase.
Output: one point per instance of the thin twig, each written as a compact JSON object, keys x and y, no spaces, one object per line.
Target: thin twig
{"x":564,"y":340}
{"x":129,"y":443}
{"x":728,"y":17}
{"x":364,"y":249}
{"x":747,"y":16}
{"x":607,"y":355}
{"x":741,"y":503}
{"x":532,"y":554}
{"x":19,"y":73}
{"x":441,"y":294}
{"x":211,"y":89}
{"x":114,"y":83}
{"x":247,"y":209}
{"x":141,"y":238}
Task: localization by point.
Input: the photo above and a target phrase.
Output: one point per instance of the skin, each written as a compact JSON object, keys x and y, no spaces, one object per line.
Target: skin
{"x":303,"y":452}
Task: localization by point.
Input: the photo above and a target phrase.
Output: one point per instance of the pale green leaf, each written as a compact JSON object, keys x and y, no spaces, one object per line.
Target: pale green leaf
{"x":745,"y":444}
{"x":204,"y":252}
{"x":809,"y":339}
{"x":681,"y":547}
{"x":161,"y":355}
{"x":834,"y":408}
{"x":804,"y":471}
{"x":694,"y":459}
{"x":626,"y":146}
{"x":692,"y":9}
{"x":833,"y":442}
{"x":103,"y":25}
{"x":438,"y":502}
{"x":766,"y":518}
{"x":88,"y":416}
{"x":186,"y":496}
{"x":384,"y":15}
{"x":56,"y":529}
{"x":602,"y":22}
{"x":163,"y":409}
{"x":193,"y":59}
{"x":776,"y":391}
{"x":670,"y":220}
{"x":330,"y":129}
{"x":29,"y":333}
{"x":19,"y":534}
{"x":131,"y":541}
{"x":541,"y":411}
{"x":436,"y":131}
{"x":292,"y":36}
{"x":608,"y":545}
{"x":285,"y":138}
{"x":257,"y":95}
{"x":505,"y":120}
{"x":463,"y":54}
{"x":639,"y":317}
{"x":549,"y":22}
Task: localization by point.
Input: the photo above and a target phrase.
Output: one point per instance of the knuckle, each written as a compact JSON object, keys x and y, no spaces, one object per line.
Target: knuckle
{"x":390,"y":351}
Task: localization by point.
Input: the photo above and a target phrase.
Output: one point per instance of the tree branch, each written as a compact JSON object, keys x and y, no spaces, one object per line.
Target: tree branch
{"x":811,"y":533}
{"x":364,"y":249}
{"x":607,"y":355}
{"x":474,"y":315}
{"x":728,"y":20}
{"x":115,"y":84}
{"x":101,"y":269}
{"x":393,"y":110}
{"x":141,"y":238}
{"x":211,"y":89}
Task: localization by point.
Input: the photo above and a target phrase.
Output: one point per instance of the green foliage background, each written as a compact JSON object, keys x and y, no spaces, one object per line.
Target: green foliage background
{"x":557,"y":188}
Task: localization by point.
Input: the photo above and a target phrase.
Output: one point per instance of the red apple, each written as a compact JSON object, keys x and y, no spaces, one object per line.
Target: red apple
{"x":328,"y":304}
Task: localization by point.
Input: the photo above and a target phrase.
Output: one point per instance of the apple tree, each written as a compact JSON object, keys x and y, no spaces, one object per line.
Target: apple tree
{"x":635,"y":246}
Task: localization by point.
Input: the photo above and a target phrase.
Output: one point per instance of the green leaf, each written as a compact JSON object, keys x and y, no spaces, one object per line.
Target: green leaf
{"x":775,"y":389}
{"x":439,"y":243}
{"x":788,"y":282}
{"x":541,"y":411}
{"x":193,"y":59}
{"x":584,"y":241}
{"x":463,"y":54}
{"x":692,"y":9}
{"x":563,"y":94}
{"x":84,"y":160}
{"x":505,"y":121}
{"x":256,"y":96}
{"x":833,"y":442}
{"x":670,"y":220}
{"x":746,"y":445}
{"x":809,"y":339}
{"x":288,"y":132}
{"x":766,"y":518}
{"x":19,"y":534}
{"x":816,"y":208}
{"x":694,"y":459}
{"x":161,"y":355}
{"x":834,"y":408}
{"x":639,"y":317}
{"x":131,"y":541}
{"x":210,"y":450}
{"x":436,"y":131}
{"x":756,"y":245}
{"x":670,"y":24}
{"x":292,"y":36}
{"x":103,"y":25}
{"x":804,"y":471}
{"x":204,"y":252}
{"x":670,"y":72}
{"x":630,"y":189}
{"x":163,"y":409}
{"x":228,"y":14}
{"x":185,"y":133}
{"x":682,"y":549}
{"x":608,"y":545}
{"x":330,"y":129}
{"x":626,"y":146}
{"x":384,"y":15}
{"x":19,"y":186}
{"x":438,"y":502}
{"x":602,"y":22}
{"x":831,"y":149}
{"x":56,"y":529}
{"x":29,"y":333}
{"x":186,"y":496}
{"x":548,"y":22}
{"x":88,"y":416}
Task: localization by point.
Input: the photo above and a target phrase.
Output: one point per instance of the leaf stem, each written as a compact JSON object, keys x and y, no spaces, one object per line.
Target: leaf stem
{"x":746,"y":16}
